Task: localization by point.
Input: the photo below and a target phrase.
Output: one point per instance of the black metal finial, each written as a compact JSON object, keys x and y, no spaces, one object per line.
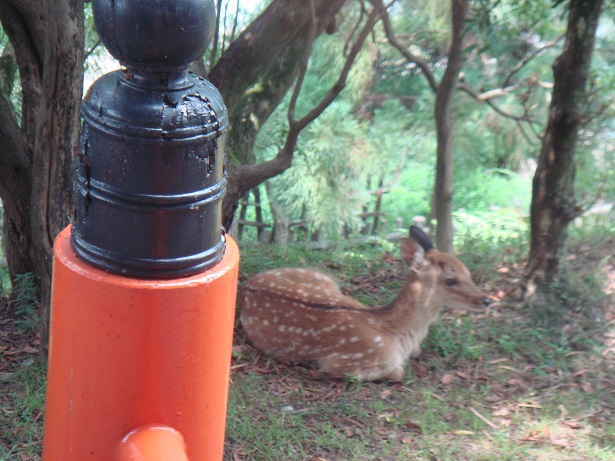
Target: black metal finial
{"x":155,"y":33}
{"x":151,"y":166}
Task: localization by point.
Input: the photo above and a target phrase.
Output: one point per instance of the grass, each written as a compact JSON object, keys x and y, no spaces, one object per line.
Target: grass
{"x":508,"y":383}
{"x":22,"y":403}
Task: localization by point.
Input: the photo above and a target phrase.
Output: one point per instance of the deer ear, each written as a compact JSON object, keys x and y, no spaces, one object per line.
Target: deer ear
{"x":421,"y":238}
{"x":412,"y":254}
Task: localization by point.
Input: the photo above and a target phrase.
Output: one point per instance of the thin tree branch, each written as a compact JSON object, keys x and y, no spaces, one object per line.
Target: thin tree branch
{"x":355,"y":28}
{"x":529,"y":57}
{"x":472,"y":92}
{"x":304,"y":65}
{"x":235,"y":21}
{"x":252,"y":175}
{"x":525,"y":135}
{"x":91,"y":50}
{"x":486,"y":97}
{"x":406,"y":53}
{"x":214,"y":47}
{"x":339,"y":85}
{"x":225,"y":18}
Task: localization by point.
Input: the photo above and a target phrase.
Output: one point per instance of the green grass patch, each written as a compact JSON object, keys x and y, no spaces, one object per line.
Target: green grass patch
{"x":507,"y":383}
{"x":22,"y":403}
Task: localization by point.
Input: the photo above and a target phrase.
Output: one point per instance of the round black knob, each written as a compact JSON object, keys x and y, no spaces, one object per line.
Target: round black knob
{"x":155,"y":33}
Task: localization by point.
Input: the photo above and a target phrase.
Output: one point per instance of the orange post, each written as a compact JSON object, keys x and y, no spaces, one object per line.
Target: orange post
{"x":144,"y":282}
{"x":129,"y":352}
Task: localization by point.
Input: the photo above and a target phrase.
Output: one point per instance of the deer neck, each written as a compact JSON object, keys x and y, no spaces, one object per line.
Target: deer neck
{"x":407,"y":313}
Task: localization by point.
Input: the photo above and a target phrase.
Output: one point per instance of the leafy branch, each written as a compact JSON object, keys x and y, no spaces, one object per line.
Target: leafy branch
{"x":252,"y":175}
{"x":486,"y":97}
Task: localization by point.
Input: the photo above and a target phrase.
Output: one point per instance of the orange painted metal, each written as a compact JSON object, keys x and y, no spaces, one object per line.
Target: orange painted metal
{"x":152,"y":443}
{"x":128,"y":352}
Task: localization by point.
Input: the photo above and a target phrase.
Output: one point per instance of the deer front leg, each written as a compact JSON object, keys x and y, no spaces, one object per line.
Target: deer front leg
{"x":396,"y":375}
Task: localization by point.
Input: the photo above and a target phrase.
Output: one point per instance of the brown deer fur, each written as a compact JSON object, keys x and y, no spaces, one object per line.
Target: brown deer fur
{"x":300,"y":315}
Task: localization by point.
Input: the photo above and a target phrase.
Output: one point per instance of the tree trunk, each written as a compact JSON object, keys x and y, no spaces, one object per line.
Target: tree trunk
{"x":15,"y":192}
{"x":37,"y":189}
{"x":553,"y":202}
{"x":443,"y":111}
{"x":281,"y":222}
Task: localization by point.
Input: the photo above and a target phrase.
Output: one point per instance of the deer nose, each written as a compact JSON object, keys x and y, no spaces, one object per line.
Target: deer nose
{"x":486,"y":301}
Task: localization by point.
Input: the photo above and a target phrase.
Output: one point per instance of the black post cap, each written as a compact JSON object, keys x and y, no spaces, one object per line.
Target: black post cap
{"x":151,"y":177}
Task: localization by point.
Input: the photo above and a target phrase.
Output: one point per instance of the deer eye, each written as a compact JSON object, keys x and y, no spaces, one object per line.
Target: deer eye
{"x":451,"y":282}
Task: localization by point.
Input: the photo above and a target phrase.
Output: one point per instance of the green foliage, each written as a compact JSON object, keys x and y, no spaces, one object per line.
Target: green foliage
{"x":322,"y":186}
{"x":412,"y":195}
{"x":493,"y":208}
{"x":381,"y":130}
{"x":5,"y":282}
{"x":495,"y":188}
{"x":324,"y":69}
{"x":456,"y":344}
{"x":9,"y":76}
{"x":26,"y":303}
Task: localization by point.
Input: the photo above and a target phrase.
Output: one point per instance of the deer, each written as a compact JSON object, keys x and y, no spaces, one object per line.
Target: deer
{"x":300,"y":315}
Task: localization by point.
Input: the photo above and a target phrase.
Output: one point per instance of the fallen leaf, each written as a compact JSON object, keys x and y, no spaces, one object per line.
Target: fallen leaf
{"x":447,"y":378}
{"x":413,"y":427}
{"x":463,"y":433}
{"x":485,"y":420}
{"x":587,"y":387}
{"x":386,"y":416}
{"x":573,"y":423}
{"x":529,"y":405}
{"x":421,"y":370}
{"x":506,"y":367}
{"x":558,"y":442}
{"x":30,"y":350}
{"x":501,"y":412}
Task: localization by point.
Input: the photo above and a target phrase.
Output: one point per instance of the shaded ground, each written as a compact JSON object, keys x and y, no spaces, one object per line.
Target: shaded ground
{"x":506,"y":383}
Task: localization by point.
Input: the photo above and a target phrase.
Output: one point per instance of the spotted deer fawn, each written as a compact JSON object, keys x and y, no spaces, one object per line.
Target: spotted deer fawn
{"x":300,"y":315}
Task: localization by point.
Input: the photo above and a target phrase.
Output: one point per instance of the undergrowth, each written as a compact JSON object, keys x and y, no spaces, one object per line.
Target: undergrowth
{"x":507,"y":383}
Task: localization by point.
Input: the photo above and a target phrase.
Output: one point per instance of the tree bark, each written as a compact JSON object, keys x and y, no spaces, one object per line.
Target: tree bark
{"x":15,"y":189}
{"x":442,"y":197}
{"x":553,"y":203}
{"x":443,"y":112}
{"x":37,"y":188}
